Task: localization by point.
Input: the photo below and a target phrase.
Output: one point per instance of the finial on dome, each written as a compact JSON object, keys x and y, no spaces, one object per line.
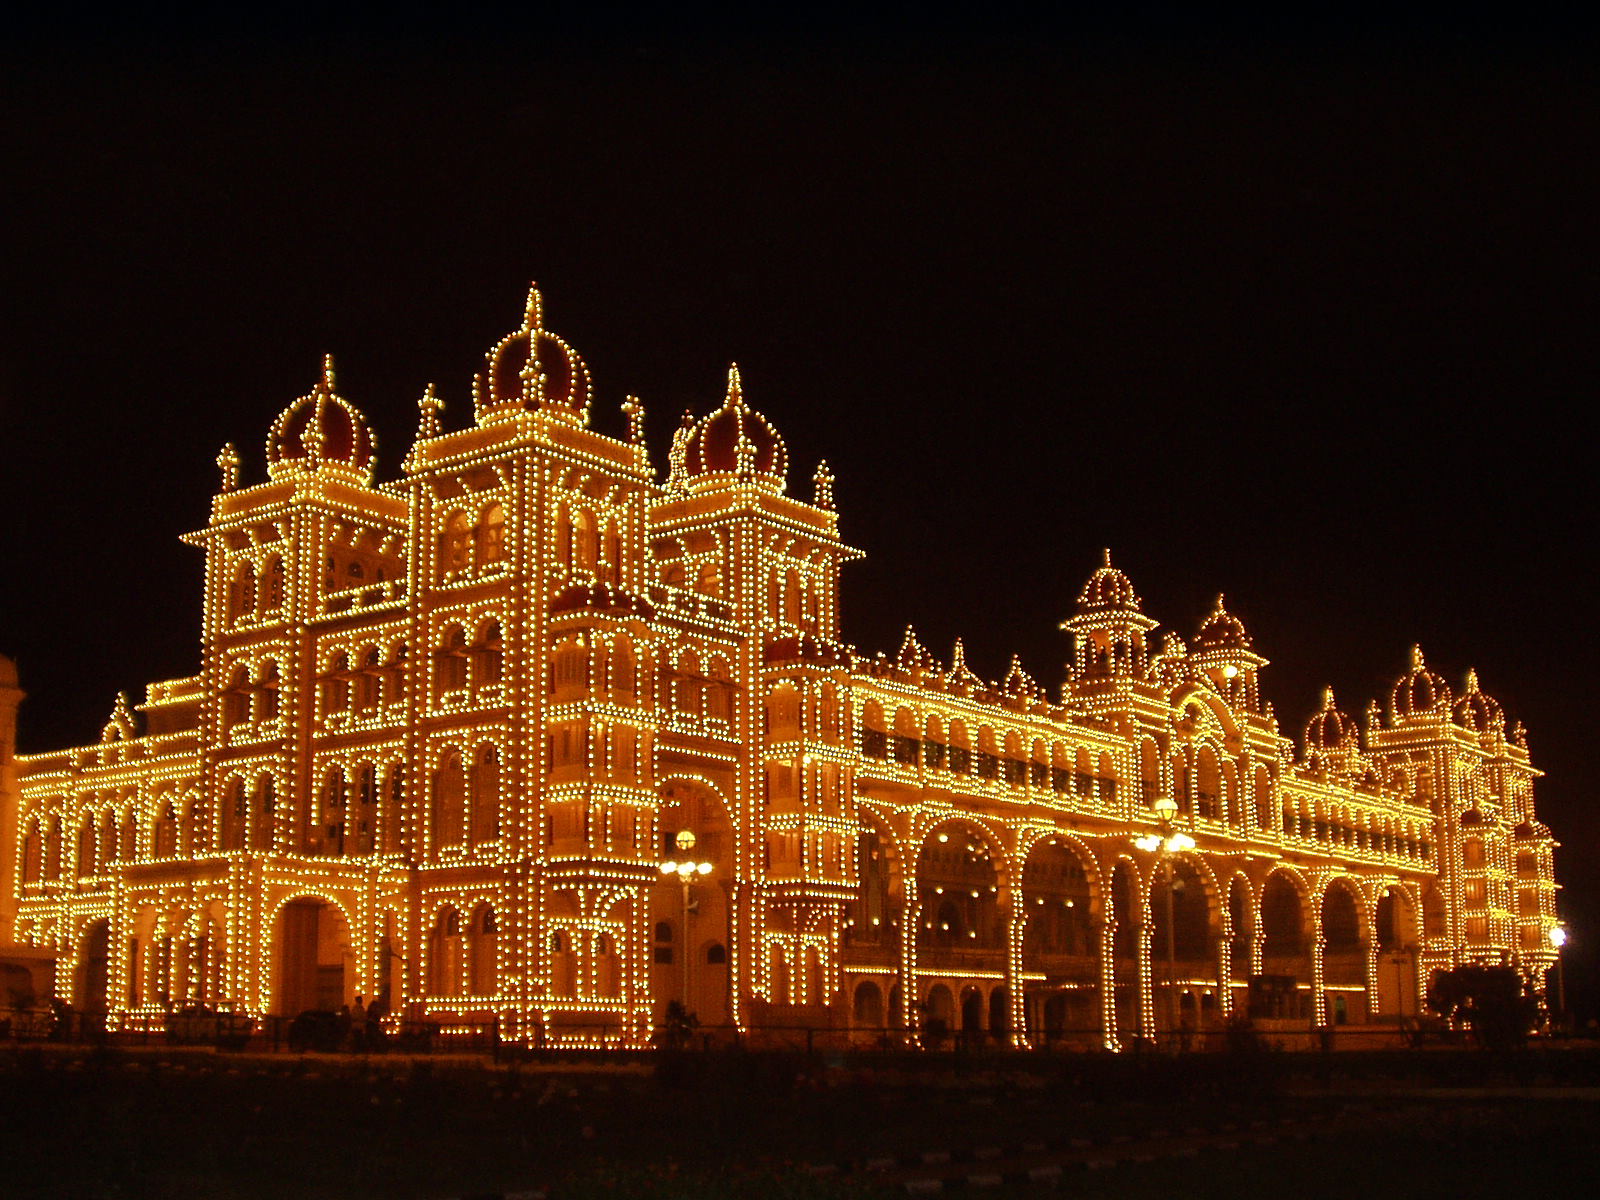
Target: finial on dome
{"x":1472,"y":680}
{"x":1327,"y":699}
{"x":678,"y":456}
{"x":1417,"y":663}
{"x":327,"y":374}
{"x":735,"y":397}
{"x":428,"y":408}
{"x":1105,"y":556}
{"x":228,"y":464}
{"x":1220,"y":609}
{"x":533,"y":310}
{"x":824,"y":482}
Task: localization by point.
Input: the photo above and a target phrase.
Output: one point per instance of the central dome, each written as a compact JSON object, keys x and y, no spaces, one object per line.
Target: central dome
{"x":1419,"y":692}
{"x":736,"y":441}
{"x":531,"y":369}
{"x":1222,"y":631}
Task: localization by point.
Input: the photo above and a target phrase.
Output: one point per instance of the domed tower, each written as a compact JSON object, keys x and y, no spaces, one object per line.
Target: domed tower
{"x":531,"y":370}
{"x":321,"y":432}
{"x":1419,"y":694}
{"x":1109,"y":628}
{"x":734,"y":445}
{"x":1222,"y":652}
{"x":1480,"y":713}
{"x":1333,"y":739}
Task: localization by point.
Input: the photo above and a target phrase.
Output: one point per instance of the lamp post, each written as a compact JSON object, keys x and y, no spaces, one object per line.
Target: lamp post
{"x":1558,"y":939}
{"x":1166,"y":845}
{"x":686,"y":871}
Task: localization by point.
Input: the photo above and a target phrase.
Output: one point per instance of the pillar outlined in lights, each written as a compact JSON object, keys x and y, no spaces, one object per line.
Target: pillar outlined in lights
{"x":450,"y":700}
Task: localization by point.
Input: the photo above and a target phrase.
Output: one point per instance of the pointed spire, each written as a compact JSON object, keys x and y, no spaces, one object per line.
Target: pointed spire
{"x":824,"y":483}
{"x":735,"y":396}
{"x":326,"y":386}
{"x":1105,"y":557}
{"x":1327,"y":699}
{"x":228,"y":464}
{"x":1472,"y":680}
{"x":1417,"y":661}
{"x":1220,"y":609}
{"x":633,"y":409}
{"x":533,"y":310}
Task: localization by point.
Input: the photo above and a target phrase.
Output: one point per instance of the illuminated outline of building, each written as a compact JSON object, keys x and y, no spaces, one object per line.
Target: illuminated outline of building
{"x":446,"y":729}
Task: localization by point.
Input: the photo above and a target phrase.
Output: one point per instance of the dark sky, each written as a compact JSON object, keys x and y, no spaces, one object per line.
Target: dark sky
{"x":1300,"y":315}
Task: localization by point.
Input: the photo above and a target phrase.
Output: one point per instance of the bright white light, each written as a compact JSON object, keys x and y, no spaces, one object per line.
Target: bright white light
{"x":704,"y":868}
{"x":669,"y":867}
{"x":1558,"y":937}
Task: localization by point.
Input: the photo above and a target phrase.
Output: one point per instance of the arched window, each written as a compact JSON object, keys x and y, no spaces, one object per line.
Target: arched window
{"x":454,"y":542}
{"x":489,"y":536}
{"x":333,"y":801}
{"x":261,"y":823}
{"x":336,"y":685}
{"x":368,"y":682}
{"x":708,"y":580}
{"x":108,"y":836}
{"x":449,"y":787}
{"x":267,"y":692}
{"x":563,"y":537}
{"x":485,"y":823}
{"x":164,"y":834}
{"x":571,"y":668}
{"x":444,"y":954}
{"x":366,"y":818}
{"x":236,"y":700}
{"x":624,"y":670}
{"x":585,"y":548}
{"x":489,"y":654}
{"x":453,"y":661}
{"x":389,"y":818}
{"x":234,"y":815}
{"x":483,"y":966}
{"x":718,"y":691}
{"x":273,"y":578}
{"x":32,"y":854}
{"x":611,"y":562}
{"x":87,"y":864}
{"x":791,"y":597}
{"x":242,"y":595}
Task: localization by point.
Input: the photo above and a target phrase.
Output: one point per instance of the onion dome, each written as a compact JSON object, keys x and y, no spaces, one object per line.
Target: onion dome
{"x":532,"y":370}
{"x":321,"y":429}
{"x":735,"y":442}
{"x":1108,"y":589}
{"x":1222,"y":631}
{"x":1330,"y":729}
{"x":1420,"y":692}
{"x":1478,"y":711}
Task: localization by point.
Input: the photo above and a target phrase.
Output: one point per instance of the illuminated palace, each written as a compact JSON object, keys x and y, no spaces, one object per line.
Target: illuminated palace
{"x":527,"y":733}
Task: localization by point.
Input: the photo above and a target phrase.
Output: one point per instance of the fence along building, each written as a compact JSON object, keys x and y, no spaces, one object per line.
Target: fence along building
{"x":447,"y":728}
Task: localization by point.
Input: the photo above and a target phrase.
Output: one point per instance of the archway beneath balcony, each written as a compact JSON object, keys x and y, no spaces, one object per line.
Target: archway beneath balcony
{"x":93,"y":975}
{"x":1344,"y":955}
{"x":1397,"y":932}
{"x":1282,"y":990}
{"x":1183,"y":944}
{"x":1060,"y":946}
{"x":312,"y":951}
{"x":692,"y":931}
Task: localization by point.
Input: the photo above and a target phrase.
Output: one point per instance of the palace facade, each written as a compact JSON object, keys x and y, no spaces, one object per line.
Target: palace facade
{"x":448,"y":728}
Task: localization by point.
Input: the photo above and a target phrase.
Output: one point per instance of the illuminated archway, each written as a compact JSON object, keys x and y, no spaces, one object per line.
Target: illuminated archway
{"x":314,"y":964}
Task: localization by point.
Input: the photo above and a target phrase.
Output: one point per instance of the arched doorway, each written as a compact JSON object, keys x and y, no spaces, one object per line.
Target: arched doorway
{"x":1059,"y":944}
{"x":1125,"y":953}
{"x":1344,"y":957}
{"x":93,"y":973}
{"x":1397,"y":935}
{"x":1182,"y":951}
{"x":1278,"y":992}
{"x":690,"y":915}
{"x":314,"y":957}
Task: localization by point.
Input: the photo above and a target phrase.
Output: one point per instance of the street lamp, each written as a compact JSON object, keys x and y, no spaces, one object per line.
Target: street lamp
{"x":1167,"y":844}
{"x":687,"y":870}
{"x":1558,"y":939}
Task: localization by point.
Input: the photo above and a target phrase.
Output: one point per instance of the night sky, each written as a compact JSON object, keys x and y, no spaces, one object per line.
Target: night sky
{"x":1303,"y":316}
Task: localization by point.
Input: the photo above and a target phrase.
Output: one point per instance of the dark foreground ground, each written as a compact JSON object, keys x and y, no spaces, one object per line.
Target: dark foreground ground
{"x":197,"y":1124}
